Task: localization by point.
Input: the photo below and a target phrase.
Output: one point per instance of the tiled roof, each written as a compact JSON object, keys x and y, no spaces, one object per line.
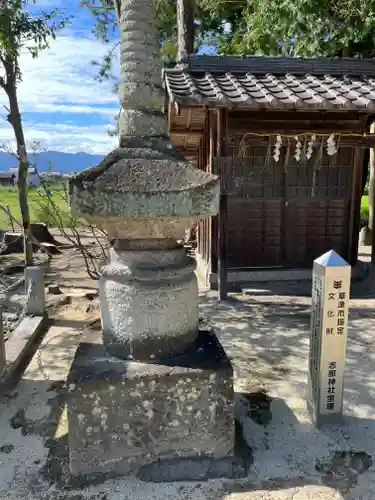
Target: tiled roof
{"x":273,"y":82}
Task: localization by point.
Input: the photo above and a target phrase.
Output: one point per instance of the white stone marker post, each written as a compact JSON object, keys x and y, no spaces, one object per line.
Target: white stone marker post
{"x":36,"y":300}
{"x":329,"y":325}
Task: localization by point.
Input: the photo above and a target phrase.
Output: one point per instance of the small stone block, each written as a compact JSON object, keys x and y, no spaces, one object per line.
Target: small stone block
{"x":50,"y":248}
{"x":34,"y":279}
{"x":161,"y":421}
{"x":54,"y":290}
{"x":20,"y":346}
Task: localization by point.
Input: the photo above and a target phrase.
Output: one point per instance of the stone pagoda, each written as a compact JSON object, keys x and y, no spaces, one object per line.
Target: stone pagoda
{"x":154,"y":396}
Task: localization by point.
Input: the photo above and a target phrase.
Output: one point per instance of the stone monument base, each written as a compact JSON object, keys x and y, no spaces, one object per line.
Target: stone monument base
{"x":166,"y":420}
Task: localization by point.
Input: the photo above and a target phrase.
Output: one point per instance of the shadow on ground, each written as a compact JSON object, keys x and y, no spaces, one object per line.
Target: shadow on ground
{"x":40,"y":415}
{"x":311,"y":457}
{"x":267,"y":340}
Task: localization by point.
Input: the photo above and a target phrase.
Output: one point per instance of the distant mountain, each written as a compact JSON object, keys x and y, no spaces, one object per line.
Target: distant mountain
{"x":54,"y":160}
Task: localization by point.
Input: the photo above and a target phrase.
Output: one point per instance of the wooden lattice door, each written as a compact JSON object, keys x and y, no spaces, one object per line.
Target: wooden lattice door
{"x":253,"y":211}
{"x":284,"y":215}
{"x":317,"y":204}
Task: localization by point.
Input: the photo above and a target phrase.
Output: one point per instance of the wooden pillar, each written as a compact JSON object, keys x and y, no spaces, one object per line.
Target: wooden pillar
{"x":371,"y":188}
{"x":222,"y":134}
{"x":371,"y":201}
{"x":354,"y":221}
{"x":207,"y":147}
{"x":214,"y":154}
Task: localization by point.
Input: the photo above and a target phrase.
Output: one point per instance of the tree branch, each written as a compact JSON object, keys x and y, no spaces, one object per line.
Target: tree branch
{"x":117,"y":5}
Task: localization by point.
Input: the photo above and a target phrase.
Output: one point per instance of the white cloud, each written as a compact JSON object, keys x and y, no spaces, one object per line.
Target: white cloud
{"x":62,"y":80}
{"x":65,"y":137}
{"x":92,"y":109}
{"x":64,"y":74}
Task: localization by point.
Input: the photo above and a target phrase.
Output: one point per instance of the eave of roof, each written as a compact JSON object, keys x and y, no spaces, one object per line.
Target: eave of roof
{"x":273,"y":82}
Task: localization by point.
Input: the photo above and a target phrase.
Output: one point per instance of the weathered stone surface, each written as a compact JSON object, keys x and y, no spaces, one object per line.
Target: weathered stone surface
{"x":20,"y":345}
{"x":145,"y":189}
{"x":145,"y":196}
{"x":12,"y":242}
{"x":34,"y":280}
{"x":148,"y":300}
{"x":50,"y":248}
{"x":54,"y":290}
{"x":143,"y":193}
{"x":141,"y":92}
{"x":41,"y":233}
{"x":91,"y":295}
{"x":170,"y":418}
{"x":136,"y":120}
{"x":151,"y":419}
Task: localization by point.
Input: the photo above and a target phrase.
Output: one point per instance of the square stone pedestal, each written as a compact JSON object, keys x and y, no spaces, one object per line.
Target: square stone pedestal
{"x":161,"y":421}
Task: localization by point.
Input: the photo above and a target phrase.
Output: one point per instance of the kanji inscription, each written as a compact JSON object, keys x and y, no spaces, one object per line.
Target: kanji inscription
{"x":328,"y":338}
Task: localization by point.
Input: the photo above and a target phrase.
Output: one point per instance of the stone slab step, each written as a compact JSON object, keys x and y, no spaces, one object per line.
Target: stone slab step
{"x":20,"y":348}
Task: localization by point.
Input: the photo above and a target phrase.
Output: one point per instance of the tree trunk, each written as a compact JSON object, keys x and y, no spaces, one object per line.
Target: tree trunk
{"x":185,"y":29}
{"x":10,"y":64}
{"x":15,"y":120}
{"x":347,"y":51}
{"x":117,"y":5}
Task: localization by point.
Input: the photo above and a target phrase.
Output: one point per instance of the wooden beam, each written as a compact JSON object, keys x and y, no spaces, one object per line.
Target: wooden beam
{"x":350,"y":140}
{"x":211,"y":125}
{"x":183,"y":133}
{"x":189,"y":119}
{"x":219,"y":133}
{"x":292,"y":128}
{"x":294,"y":114}
{"x":367,"y":141}
{"x":169,"y":118}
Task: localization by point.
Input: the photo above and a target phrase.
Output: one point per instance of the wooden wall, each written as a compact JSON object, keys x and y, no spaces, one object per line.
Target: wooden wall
{"x":275,"y":206}
{"x":275,"y":221}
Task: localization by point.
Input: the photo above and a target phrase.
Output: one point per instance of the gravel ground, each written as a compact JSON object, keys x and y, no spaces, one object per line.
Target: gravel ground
{"x":267,"y":340}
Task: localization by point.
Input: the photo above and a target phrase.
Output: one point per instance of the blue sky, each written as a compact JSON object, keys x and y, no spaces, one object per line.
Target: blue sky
{"x":62,"y":105}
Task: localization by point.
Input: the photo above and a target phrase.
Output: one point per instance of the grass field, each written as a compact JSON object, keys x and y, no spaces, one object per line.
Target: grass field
{"x":38,"y":204}
{"x":364,"y":206}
